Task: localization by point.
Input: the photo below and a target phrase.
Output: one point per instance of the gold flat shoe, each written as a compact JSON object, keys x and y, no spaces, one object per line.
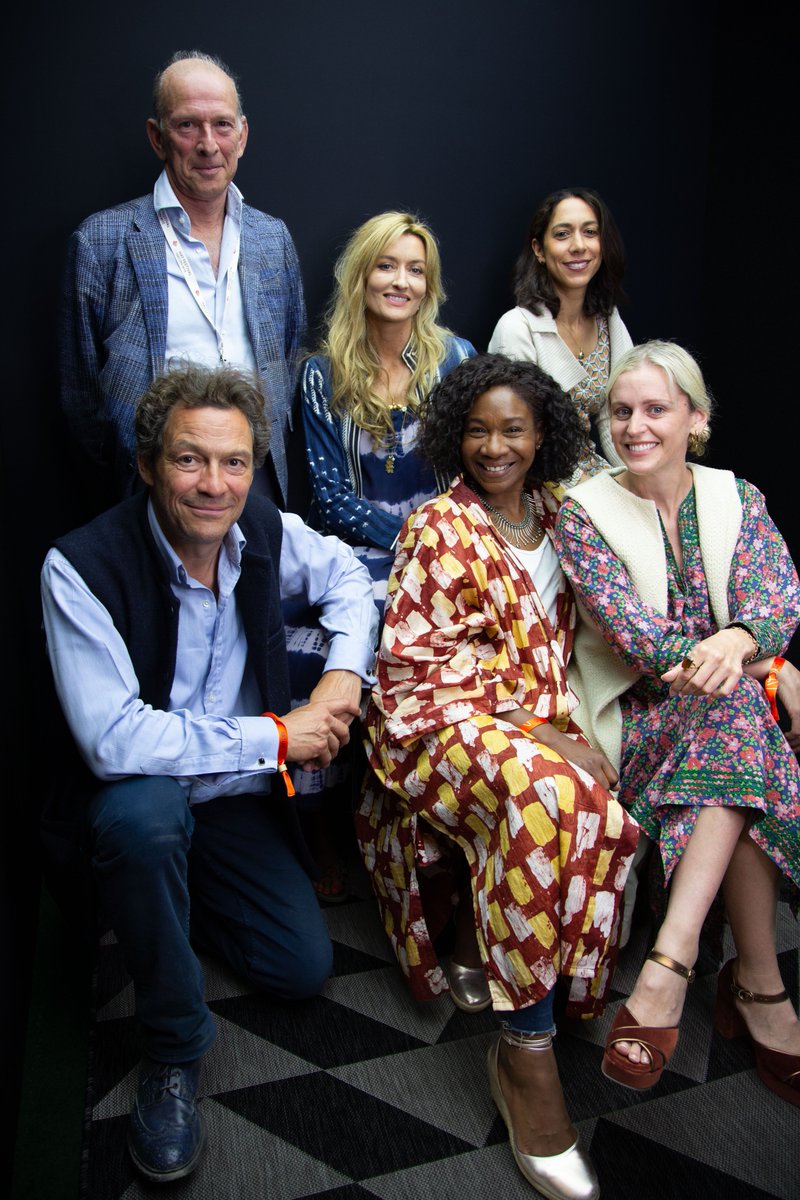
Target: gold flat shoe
{"x":469,"y":989}
{"x":565,"y":1176}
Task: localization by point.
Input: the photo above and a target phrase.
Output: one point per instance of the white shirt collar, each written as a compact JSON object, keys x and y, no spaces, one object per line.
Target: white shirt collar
{"x":164,"y":199}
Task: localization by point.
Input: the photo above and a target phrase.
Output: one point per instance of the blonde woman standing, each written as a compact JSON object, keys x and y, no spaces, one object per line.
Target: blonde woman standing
{"x":382,"y":353}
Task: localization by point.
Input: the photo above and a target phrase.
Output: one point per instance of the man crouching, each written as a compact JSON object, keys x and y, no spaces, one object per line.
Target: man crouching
{"x":165,"y":636}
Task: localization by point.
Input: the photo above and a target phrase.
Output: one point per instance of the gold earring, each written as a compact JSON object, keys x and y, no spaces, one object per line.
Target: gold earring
{"x":698,"y":440}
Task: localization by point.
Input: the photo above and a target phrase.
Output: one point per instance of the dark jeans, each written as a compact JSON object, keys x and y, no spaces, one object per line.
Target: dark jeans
{"x":535,"y":1018}
{"x":252,"y":903}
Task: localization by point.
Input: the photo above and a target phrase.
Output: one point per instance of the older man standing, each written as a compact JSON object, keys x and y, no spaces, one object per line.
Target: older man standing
{"x":165,"y":635}
{"x":189,"y":272}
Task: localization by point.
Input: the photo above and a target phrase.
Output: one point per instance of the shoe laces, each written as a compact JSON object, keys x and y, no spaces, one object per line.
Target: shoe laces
{"x":168,"y":1078}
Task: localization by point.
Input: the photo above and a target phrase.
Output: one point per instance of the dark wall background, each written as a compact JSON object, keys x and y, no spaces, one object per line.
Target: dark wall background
{"x":465,"y":112}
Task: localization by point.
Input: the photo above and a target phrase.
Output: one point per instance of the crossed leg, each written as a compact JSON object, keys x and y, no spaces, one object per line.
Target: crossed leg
{"x":720,"y":853}
{"x":657,"y":999}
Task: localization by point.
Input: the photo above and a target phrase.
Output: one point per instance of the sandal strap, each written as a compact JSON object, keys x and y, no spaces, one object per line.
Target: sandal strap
{"x":747,"y":997}
{"x":535,"y":1042}
{"x":672,"y":964}
{"x":659,"y":1049}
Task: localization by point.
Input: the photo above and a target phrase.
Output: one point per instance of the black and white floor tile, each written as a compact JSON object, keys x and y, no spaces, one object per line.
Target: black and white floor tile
{"x":363,"y":1093}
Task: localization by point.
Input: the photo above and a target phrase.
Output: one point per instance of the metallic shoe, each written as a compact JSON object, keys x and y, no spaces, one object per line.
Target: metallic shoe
{"x":167,"y":1134}
{"x":566,"y":1176}
{"x":469,"y":989}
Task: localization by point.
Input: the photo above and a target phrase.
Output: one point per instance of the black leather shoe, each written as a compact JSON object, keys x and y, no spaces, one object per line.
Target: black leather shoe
{"x":167,"y":1134}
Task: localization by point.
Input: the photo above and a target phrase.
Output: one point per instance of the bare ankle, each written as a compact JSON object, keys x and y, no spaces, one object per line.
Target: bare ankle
{"x":535,"y":1098}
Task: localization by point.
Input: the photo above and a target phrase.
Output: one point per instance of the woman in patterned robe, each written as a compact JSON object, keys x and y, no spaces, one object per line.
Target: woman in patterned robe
{"x":471,"y":738}
{"x":691,"y":585}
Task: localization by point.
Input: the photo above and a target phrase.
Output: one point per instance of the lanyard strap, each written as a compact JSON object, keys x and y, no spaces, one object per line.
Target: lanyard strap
{"x":185,"y":267}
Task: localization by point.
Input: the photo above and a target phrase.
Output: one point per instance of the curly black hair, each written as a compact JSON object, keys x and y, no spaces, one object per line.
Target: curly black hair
{"x":446,"y":409}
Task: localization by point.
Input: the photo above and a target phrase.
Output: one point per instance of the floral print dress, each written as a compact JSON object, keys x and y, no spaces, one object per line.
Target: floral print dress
{"x":681,"y":753}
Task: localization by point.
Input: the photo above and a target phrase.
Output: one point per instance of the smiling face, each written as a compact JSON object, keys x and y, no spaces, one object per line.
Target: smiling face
{"x":397,"y":285}
{"x":202,"y":136}
{"x":200,"y":480}
{"x":498,"y":446}
{"x":651,"y":420}
{"x":570,"y":249}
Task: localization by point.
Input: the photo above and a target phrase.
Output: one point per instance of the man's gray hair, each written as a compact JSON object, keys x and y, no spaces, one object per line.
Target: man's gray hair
{"x":195,"y":386}
{"x":211,"y":60}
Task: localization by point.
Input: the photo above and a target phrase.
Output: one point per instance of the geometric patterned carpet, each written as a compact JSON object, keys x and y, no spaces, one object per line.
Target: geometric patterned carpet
{"x":361,"y":1092}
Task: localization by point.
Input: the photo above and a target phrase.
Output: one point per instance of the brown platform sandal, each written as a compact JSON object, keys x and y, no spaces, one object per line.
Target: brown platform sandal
{"x":659,"y":1043}
{"x":778,"y":1071}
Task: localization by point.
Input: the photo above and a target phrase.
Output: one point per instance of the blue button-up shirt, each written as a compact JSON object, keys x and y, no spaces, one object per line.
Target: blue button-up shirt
{"x":210,"y":738}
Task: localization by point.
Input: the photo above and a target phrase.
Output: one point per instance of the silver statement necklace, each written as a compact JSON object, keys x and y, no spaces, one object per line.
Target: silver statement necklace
{"x":519,"y":533}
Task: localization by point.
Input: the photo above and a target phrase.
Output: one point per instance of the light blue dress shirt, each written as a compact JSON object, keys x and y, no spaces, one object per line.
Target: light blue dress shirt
{"x":189,"y":334}
{"x":211,"y":738}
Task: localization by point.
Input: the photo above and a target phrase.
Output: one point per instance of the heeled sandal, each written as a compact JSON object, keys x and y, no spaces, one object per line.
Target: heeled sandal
{"x":659,"y":1043}
{"x":778,"y":1071}
{"x":565,"y":1176}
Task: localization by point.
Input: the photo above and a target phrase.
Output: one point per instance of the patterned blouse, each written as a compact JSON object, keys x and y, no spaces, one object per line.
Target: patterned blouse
{"x":590,"y":395}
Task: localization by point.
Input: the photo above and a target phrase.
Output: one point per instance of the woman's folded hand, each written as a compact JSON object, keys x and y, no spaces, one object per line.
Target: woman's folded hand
{"x":594,"y":762}
{"x":714,"y":666}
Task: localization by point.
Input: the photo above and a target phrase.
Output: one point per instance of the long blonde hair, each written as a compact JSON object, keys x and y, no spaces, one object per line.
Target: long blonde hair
{"x":355,"y":366}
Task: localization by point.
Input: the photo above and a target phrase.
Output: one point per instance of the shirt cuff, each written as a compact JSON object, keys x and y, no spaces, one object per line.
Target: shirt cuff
{"x":767,"y":633}
{"x":671,"y":652}
{"x":259,"y":744}
{"x":347,"y":653}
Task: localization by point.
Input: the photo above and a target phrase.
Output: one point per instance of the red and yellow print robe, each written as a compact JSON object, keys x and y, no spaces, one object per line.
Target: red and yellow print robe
{"x":467,"y":638}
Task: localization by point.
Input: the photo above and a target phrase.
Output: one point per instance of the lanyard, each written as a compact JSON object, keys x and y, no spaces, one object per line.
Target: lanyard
{"x":191,"y":280}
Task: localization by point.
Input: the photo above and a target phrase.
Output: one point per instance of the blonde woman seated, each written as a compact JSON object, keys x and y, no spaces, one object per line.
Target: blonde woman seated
{"x":471,"y":738}
{"x":694,"y":593}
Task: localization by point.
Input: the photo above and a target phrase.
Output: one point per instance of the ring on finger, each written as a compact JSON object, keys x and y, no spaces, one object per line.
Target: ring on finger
{"x":688,"y":664}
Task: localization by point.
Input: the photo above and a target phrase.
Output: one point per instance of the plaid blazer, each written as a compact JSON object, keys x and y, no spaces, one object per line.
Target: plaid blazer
{"x":114,"y":326}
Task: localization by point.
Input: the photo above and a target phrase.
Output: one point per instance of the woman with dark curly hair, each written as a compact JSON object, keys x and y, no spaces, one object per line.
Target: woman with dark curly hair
{"x":472,"y":745}
{"x":568,"y":284}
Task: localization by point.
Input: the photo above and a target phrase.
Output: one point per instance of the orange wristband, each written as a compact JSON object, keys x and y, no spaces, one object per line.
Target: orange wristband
{"x":534,"y":721}
{"x":283,"y":746}
{"x":771,"y":684}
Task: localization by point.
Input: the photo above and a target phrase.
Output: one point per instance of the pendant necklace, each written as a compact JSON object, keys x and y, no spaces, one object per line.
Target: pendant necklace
{"x":569,"y":337}
{"x":395,"y":446}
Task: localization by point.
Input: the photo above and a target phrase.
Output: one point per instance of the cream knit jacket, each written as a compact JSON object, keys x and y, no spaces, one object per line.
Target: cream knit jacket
{"x":631,"y":528}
